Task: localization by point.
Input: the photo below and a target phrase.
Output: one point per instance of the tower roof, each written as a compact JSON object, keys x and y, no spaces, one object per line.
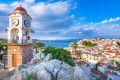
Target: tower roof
{"x":20,"y":9}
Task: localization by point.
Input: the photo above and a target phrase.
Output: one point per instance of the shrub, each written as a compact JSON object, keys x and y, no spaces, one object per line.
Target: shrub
{"x":118,"y":43}
{"x":60,"y":54}
{"x":118,"y":65}
{"x":31,"y":76}
{"x":39,"y":44}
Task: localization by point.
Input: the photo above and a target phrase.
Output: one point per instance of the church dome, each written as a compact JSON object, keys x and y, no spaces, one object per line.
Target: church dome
{"x":20,"y":9}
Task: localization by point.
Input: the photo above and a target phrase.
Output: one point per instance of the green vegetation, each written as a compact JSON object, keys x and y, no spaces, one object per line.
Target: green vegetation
{"x":79,"y":53}
{"x":31,"y":76}
{"x":89,"y":44}
{"x":74,"y":44}
{"x":1,"y":39}
{"x":39,"y":44}
{"x":118,"y":43}
{"x":3,"y":47}
{"x":118,"y":65}
{"x":60,"y":54}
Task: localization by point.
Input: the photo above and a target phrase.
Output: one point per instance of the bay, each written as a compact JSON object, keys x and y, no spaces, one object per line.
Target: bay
{"x":58,"y":43}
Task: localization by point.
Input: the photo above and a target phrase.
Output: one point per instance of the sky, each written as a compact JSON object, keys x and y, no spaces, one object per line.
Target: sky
{"x":66,"y":19}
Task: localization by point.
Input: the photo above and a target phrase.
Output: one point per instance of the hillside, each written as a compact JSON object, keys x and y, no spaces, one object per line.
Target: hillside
{"x":1,"y":39}
{"x":44,"y":67}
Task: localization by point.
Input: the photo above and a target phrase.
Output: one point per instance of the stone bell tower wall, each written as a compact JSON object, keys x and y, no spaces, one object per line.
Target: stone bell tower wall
{"x":13,"y":49}
{"x":27,"y":53}
{"x":24,"y":54}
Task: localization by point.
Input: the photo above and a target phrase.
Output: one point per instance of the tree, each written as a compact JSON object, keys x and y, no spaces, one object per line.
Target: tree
{"x":118,"y":65}
{"x":39,"y":44}
{"x":89,"y":44}
{"x":2,"y":46}
{"x":118,"y":43}
{"x":60,"y":54}
{"x":94,"y":44}
{"x":75,"y":44}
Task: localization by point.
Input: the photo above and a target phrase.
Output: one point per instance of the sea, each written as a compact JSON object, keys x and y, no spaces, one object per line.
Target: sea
{"x":58,"y":43}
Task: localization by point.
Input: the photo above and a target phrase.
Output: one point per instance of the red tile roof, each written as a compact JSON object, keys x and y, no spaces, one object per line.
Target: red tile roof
{"x":96,"y":72}
{"x":81,"y":63}
{"x":88,"y":65}
{"x":108,"y":72}
{"x":21,"y":9}
{"x":112,"y":68}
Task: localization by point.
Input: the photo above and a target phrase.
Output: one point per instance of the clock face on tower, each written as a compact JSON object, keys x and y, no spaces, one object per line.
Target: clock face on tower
{"x":27,"y":23}
{"x":15,"y":22}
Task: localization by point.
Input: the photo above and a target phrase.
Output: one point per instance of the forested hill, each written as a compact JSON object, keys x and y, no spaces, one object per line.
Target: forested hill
{"x":1,"y":39}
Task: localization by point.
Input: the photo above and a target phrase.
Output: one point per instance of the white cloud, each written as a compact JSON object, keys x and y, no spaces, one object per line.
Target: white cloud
{"x":4,"y":7}
{"x":45,"y":16}
{"x":58,"y":8}
{"x":82,"y":18}
{"x":114,"y":19}
{"x":3,"y":35}
{"x":29,"y":1}
{"x":105,"y":21}
{"x":85,"y":25}
{"x":15,"y":4}
{"x":91,"y":23}
{"x":111,"y":20}
{"x":79,"y":32}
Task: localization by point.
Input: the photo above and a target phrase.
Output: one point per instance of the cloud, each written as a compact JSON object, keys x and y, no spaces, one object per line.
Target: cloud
{"x":104,"y":29}
{"x":51,"y":16}
{"x":80,"y":33}
{"x":105,"y":21}
{"x":53,"y":20}
{"x":58,"y":8}
{"x":4,"y":7}
{"x":82,"y":18}
{"x":114,"y":19}
{"x":47,"y":18}
{"x":111,"y":20}
{"x":3,"y":35}
{"x":29,"y":1}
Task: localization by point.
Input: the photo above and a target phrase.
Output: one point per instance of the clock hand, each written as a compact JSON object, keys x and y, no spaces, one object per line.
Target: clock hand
{"x":14,"y":22}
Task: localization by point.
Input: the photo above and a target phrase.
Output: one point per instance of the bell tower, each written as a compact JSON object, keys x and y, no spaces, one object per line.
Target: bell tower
{"x":19,"y":30}
{"x":20,"y":47}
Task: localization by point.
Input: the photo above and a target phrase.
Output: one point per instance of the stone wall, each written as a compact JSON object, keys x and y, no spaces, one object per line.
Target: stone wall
{"x":27,"y":53}
{"x":14,"y":50}
{"x":24,"y":54}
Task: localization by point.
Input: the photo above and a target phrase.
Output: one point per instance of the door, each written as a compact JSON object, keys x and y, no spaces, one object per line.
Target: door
{"x":14,"y":60}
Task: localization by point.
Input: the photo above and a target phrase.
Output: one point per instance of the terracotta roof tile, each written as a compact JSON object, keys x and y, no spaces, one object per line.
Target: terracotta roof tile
{"x":96,"y":72}
{"x":21,"y":9}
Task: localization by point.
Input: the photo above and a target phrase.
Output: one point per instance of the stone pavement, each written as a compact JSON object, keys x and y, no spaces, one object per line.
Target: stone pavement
{"x":3,"y":72}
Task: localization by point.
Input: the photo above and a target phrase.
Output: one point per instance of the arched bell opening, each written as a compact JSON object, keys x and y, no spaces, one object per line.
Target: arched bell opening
{"x":14,"y":35}
{"x":26,"y":36}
